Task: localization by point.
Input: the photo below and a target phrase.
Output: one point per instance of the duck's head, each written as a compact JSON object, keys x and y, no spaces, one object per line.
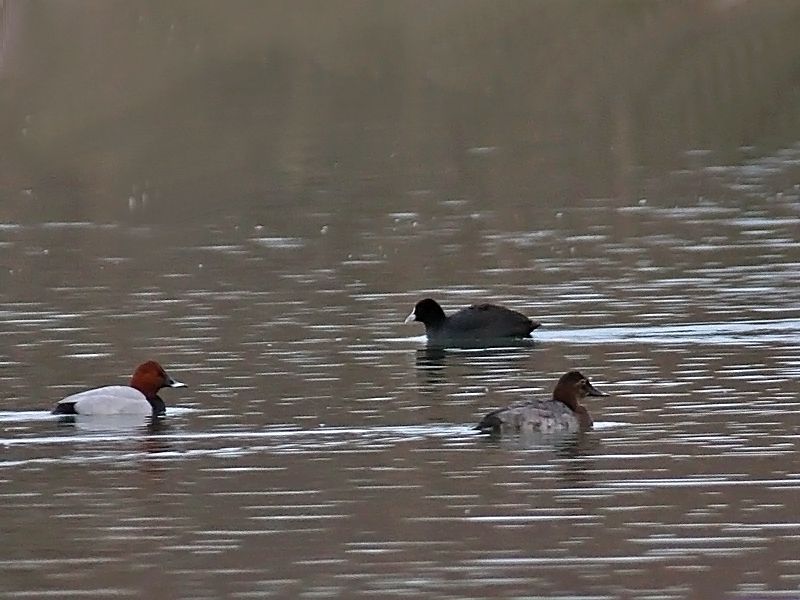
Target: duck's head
{"x":427,"y":311}
{"x":150,"y":377}
{"x":573,"y":387}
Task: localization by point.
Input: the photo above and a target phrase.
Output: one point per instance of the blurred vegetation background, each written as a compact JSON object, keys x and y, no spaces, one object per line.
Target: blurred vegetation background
{"x":197,"y":103}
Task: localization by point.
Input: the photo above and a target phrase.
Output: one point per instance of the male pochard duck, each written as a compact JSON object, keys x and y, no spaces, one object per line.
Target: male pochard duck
{"x":477,"y":322}
{"x":563,"y":412}
{"x":138,"y":398}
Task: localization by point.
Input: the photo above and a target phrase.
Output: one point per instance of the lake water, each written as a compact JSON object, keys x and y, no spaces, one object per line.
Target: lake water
{"x":257,"y":195}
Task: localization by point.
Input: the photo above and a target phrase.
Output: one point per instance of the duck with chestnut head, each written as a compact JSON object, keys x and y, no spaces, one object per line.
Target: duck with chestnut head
{"x":140,"y":397}
{"x":562,"y":412}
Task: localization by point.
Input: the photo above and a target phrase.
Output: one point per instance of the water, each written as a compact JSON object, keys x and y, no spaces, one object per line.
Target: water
{"x":266,"y":241}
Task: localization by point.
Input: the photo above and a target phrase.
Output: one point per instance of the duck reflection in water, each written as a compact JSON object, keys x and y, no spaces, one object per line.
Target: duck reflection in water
{"x":115,"y":423}
{"x":147,"y":433}
{"x":570,"y":453}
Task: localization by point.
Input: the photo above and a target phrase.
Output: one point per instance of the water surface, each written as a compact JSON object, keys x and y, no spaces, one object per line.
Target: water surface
{"x":256,"y":197}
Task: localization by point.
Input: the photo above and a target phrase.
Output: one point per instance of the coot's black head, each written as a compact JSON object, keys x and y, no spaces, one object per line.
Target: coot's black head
{"x":428,"y":312}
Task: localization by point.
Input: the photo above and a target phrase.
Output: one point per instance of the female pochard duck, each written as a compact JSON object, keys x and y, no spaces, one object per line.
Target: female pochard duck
{"x":477,"y":322}
{"x":563,"y":412}
{"x":138,"y":398}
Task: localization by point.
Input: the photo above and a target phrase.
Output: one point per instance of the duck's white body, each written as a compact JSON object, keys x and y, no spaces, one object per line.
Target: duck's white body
{"x":109,"y":400}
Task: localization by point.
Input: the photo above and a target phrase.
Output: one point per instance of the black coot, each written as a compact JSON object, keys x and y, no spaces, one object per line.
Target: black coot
{"x":477,"y":322}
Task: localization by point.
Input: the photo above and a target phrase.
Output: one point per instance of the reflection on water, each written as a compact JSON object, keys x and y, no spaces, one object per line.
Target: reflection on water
{"x":434,"y":363}
{"x":256,"y":196}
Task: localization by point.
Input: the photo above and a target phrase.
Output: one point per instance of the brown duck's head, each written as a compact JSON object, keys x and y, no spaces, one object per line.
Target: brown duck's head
{"x":573,"y":387}
{"x":150,"y":377}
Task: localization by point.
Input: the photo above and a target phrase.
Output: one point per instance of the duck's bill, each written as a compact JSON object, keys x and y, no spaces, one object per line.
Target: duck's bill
{"x":410,"y":318}
{"x":593,"y":391}
{"x":175,"y":384}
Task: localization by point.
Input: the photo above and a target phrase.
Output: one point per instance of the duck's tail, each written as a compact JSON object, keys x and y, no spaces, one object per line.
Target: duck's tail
{"x":490,"y":423}
{"x":64,"y":408}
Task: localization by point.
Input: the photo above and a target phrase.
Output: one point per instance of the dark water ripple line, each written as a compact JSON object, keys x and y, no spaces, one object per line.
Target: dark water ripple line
{"x":26,"y":563}
{"x":66,"y":593}
{"x":124,"y":421}
{"x":723,"y":480}
{"x":297,"y":442}
{"x":567,"y":563}
{"x":438,"y":430}
{"x":388,"y":433}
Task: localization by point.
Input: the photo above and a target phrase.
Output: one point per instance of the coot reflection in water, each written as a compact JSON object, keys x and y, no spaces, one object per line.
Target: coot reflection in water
{"x":487,"y":363}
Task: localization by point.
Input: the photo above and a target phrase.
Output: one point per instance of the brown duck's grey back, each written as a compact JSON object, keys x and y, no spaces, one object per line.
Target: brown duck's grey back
{"x":538,"y":415}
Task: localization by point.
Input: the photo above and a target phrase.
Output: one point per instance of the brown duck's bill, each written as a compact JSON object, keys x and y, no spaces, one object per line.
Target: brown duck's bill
{"x":593,"y":391}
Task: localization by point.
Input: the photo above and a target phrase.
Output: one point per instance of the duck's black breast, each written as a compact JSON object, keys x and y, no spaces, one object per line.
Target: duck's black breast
{"x":487,"y":321}
{"x":65,"y":408}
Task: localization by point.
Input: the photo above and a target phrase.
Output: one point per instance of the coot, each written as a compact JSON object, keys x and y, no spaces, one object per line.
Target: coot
{"x":138,"y":398}
{"x":477,"y":322}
